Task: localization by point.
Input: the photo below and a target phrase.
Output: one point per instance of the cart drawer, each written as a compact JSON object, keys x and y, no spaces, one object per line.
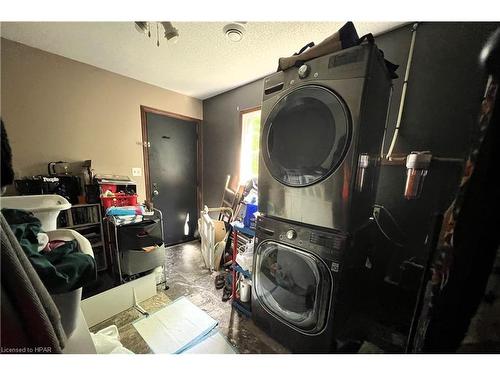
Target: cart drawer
{"x":137,"y":261}
{"x":139,"y":235}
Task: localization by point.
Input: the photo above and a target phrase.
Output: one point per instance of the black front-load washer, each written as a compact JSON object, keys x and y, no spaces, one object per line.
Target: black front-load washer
{"x":294,"y":282}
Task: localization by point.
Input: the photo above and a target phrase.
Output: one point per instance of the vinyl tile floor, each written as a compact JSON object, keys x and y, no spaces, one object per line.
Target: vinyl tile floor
{"x":188,"y":276}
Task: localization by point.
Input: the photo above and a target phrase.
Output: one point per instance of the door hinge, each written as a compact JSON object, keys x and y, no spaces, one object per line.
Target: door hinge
{"x":147,"y":144}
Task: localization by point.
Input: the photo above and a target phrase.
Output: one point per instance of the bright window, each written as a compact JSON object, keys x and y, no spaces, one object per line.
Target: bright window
{"x":249,"y":156}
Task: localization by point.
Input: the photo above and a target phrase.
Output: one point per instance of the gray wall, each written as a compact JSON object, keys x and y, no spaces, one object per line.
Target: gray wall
{"x":444,"y":94}
{"x":442,"y":103}
{"x":222,"y":137}
{"x":443,"y":99}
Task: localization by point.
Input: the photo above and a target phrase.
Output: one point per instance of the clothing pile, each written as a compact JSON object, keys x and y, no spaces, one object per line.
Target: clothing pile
{"x":59,"y":264}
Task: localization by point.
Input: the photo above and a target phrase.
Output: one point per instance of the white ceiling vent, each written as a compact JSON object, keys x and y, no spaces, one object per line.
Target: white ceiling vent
{"x":234,"y":31}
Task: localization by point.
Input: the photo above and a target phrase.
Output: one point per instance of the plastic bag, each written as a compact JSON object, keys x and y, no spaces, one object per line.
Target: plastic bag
{"x":107,"y":341}
{"x":245,"y":256}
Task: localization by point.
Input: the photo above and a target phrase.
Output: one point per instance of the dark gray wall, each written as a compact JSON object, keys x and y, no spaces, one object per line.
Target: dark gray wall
{"x":442,"y":103}
{"x":443,"y":98}
{"x":444,"y":93}
{"x":222,"y":137}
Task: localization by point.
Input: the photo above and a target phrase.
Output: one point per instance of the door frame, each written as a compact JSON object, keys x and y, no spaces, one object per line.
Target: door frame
{"x":199,"y":151}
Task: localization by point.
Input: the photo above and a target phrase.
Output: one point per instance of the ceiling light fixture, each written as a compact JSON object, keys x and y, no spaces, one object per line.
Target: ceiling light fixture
{"x":142,"y":27}
{"x":234,"y":31}
{"x":170,"y":32}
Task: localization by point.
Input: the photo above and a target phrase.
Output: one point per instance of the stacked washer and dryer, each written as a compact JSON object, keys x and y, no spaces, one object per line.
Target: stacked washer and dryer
{"x":321,"y":136}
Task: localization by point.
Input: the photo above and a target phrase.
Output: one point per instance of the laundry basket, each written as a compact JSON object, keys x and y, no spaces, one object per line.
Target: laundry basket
{"x":46,"y":208}
{"x":68,"y":303}
{"x":212,"y":234}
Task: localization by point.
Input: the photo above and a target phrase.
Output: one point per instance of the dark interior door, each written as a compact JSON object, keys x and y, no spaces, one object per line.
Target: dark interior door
{"x":173,"y":165}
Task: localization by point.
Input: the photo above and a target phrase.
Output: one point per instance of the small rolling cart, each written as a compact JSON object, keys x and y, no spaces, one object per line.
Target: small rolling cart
{"x":136,"y":247}
{"x":241,"y":278}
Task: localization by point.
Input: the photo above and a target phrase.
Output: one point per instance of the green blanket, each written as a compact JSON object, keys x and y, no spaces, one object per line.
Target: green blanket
{"x":62,"y":269}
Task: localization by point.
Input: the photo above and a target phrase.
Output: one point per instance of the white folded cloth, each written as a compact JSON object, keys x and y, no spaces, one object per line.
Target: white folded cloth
{"x":43,"y":240}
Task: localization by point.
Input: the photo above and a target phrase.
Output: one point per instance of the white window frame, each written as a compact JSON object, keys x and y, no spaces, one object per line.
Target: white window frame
{"x":245,"y":162}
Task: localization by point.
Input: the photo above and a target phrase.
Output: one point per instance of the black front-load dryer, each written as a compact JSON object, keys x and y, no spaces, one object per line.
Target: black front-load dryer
{"x":294,"y":283}
{"x":321,"y":139}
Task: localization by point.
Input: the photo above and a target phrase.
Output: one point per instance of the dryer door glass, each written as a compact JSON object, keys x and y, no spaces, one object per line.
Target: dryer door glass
{"x":305,"y":136}
{"x":293,"y":285}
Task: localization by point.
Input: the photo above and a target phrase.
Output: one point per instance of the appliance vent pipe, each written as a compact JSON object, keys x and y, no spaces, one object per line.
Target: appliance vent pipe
{"x":386,"y":122}
{"x":403,"y":93}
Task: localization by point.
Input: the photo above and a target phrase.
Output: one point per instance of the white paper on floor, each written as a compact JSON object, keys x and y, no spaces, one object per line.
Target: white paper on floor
{"x":214,"y":343}
{"x":176,"y":327}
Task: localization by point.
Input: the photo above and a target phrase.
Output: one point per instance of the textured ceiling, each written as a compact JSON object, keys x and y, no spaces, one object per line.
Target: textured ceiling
{"x":201,"y":64}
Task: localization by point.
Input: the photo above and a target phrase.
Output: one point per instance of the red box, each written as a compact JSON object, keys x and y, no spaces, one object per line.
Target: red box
{"x":119,"y":200}
{"x":111,"y":187}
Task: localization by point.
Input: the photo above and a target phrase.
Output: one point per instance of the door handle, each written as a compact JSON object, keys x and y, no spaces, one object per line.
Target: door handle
{"x":155,"y":189}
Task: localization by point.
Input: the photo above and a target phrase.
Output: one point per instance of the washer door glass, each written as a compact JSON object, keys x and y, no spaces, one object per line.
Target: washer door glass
{"x":306,"y":136}
{"x":293,"y":285}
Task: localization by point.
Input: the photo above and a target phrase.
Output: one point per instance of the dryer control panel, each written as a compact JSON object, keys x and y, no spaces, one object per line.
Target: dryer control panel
{"x":326,"y":244}
{"x":344,"y":64}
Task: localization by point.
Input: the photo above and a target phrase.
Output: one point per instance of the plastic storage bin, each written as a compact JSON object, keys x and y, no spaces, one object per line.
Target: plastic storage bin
{"x":111,"y":187}
{"x":132,"y":238}
{"x":136,"y":261}
{"x":138,"y":235}
{"x":119,"y":200}
{"x":68,"y":303}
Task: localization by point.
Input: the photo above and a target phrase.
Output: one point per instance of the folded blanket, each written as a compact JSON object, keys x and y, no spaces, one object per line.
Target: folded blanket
{"x":125,"y":210}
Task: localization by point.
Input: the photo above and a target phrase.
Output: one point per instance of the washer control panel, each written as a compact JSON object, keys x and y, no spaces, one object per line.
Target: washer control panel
{"x":291,"y":234}
{"x":328,"y":244}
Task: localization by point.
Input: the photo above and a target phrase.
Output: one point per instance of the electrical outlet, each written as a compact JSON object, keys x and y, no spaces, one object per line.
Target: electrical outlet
{"x":137,"y":172}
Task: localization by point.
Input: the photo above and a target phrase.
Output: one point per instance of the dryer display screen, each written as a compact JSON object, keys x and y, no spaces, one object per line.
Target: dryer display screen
{"x":305,"y":136}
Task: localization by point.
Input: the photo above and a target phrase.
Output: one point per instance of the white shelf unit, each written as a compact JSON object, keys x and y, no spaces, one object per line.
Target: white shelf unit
{"x":86,"y":219}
